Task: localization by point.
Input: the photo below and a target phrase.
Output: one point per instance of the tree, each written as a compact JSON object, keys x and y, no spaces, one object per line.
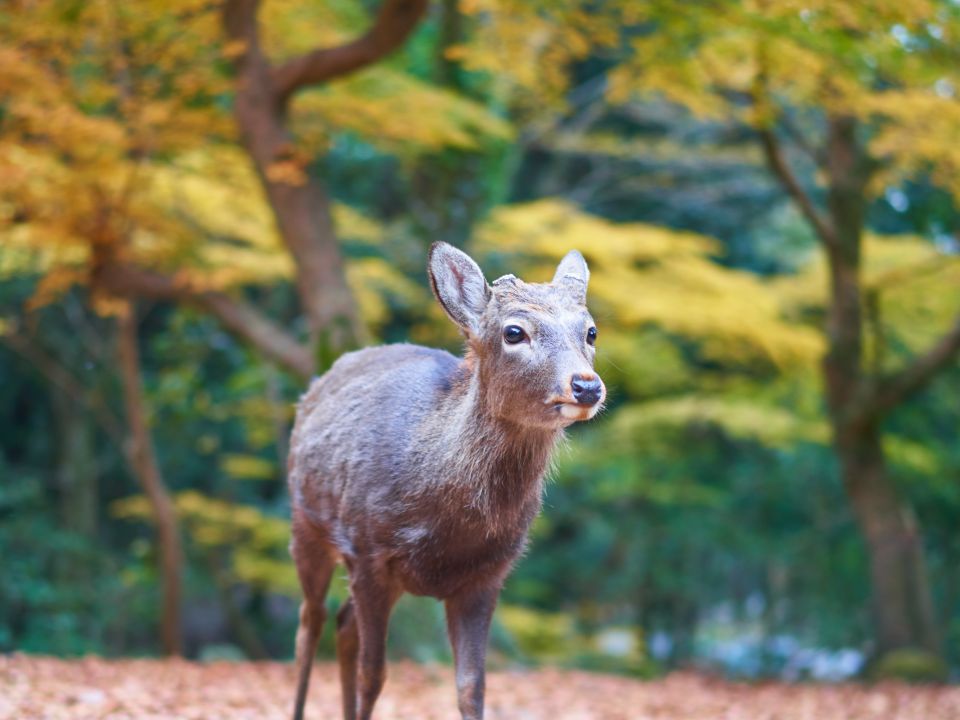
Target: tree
{"x":148,"y":111}
{"x":298,"y":200}
{"x":837,"y":98}
{"x":702,"y":356}
{"x":143,"y":460}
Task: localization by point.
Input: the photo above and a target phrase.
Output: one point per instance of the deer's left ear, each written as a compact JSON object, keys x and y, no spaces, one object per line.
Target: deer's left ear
{"x":573,"y":274}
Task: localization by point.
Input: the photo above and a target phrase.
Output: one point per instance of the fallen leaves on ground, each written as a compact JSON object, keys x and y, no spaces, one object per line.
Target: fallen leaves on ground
{"x":39,"y":687}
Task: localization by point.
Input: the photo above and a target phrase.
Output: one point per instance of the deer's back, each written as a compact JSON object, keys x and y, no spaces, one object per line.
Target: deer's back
{"x":350,"y":455}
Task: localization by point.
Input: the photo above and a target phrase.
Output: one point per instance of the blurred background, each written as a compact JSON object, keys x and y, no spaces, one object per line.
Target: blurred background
{"x":199,"y":211}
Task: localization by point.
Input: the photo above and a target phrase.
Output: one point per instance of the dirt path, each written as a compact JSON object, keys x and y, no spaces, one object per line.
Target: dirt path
{"x":34,"y":687}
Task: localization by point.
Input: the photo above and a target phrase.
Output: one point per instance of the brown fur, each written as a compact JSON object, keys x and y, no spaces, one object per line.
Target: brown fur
{"x":423,"y":471}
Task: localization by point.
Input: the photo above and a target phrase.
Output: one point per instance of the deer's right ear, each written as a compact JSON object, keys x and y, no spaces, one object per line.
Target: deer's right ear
{"x":459,"y":285}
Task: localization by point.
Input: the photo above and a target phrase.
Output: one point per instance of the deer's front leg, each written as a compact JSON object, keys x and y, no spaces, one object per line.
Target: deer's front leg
{"x":468,"y":623}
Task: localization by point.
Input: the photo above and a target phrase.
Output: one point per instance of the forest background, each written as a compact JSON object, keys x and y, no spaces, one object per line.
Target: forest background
{"x":203,"y":203}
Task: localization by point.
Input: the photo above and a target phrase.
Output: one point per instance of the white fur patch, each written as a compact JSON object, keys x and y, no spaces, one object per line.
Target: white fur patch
{"x":578,"y":412}
{"x":574,"y":412}
{"x":516,"y":348}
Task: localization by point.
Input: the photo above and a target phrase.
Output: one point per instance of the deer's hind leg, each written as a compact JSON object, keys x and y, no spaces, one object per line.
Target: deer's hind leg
{"x":348,"y":648}
{"x":315,"y":560}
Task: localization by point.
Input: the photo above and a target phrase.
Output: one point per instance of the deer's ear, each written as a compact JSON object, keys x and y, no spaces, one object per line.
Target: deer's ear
{"x":459,"y":285}
{"x":573,"y":274}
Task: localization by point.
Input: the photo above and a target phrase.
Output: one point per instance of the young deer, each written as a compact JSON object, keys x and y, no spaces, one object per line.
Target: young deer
{"x":423,"y":471}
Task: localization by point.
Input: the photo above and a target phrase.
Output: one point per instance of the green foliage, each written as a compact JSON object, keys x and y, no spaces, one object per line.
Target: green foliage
{"x":909,"y":665}
{"x":557,"y":638}
{"x":418,"y":630}
{"x":547,"y":637}
{"x":54,"y":590}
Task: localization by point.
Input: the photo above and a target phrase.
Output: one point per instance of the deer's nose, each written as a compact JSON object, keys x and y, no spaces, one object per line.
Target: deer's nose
{"x":587,"y":389}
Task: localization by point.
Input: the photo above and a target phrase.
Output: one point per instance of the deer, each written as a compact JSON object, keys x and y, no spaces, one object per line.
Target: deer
{"x":421,"y":472}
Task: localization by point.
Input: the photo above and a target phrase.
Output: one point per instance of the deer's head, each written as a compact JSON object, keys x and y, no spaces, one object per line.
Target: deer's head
{"x":533,"y":342}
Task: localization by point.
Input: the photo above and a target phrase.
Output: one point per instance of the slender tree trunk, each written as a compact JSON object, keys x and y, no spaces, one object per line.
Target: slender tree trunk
{"x":77,"y":482}
{"x":300,"y":203}
{"x":143,"y":461}
{"x":449,"y":72}
{"x":77,"y":472}
{"x":902,"y":605}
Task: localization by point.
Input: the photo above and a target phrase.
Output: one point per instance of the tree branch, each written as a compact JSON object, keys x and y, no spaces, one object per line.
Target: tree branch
{"x":766,"y":116}
{"x":778,"y":165}
{"x":895,"y":389}
{"x":239,"y":318}
{"x":246,"y":322}
{"x":395,"y":21}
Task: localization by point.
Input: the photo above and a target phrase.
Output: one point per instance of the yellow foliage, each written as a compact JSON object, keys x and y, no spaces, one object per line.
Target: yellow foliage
{"x":248,"y":467}
{"x":215,"y":195}
{"x":912,"y":456}
{"x":542,"y":635}
{"x":918,"y":133}
{"x":646,"y":275}
{"x":916,"y":285}
{"x":53,"y":284}
{"x":525,"y":48}
{"x":398,"y":113}
{"x":205,"y":218}
{"x":81,"y":118}
{"x":287,"y":172}
{"x":743,"y":419}
{"x":293,"y":27}
{"x":377,"y":285}
{"x":255,"y":543}
{"x":31,"y":249}
{"x":113,"y":134}
{"x":889,"y":63}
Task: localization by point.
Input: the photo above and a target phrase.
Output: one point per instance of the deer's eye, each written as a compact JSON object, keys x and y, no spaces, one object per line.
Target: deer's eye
{"x":513,"y":334}
{"x":591,"y":336}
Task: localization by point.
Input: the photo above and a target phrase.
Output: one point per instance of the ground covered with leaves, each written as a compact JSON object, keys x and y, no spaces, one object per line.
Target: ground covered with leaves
{"x":35,"y":687}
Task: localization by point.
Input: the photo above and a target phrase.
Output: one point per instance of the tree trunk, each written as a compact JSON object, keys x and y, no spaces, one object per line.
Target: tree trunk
{"x":449,"y":72}
{"x":902,"y":605}
{"x":77,"y":481}
{"x":903,"y":609}
{"x":143,"y":461}
{"x":304,"y":219}
{"x":299,"y":202}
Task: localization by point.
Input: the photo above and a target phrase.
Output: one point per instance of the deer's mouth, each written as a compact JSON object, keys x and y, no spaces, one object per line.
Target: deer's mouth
{"x":572,"y":410}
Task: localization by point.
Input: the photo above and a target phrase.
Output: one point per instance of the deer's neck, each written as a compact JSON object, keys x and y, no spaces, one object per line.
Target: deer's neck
{"x":499,"y":465}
